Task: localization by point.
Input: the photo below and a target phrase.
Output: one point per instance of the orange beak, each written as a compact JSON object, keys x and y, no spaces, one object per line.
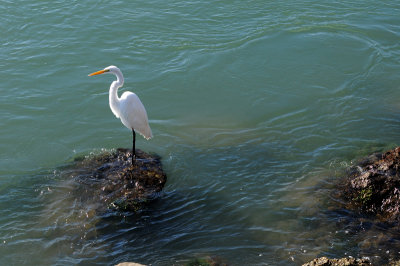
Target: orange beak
{"x":99,"y":72}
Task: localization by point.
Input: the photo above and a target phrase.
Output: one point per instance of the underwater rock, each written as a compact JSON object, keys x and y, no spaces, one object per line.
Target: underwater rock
{"x":373,"y":186}
{"x":324,"y":261}
{"x":206,"y":261}
{"x":119,"y":184}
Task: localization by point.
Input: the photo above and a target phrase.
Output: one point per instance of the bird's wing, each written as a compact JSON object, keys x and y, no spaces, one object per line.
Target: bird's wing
{"x":134,"y":115}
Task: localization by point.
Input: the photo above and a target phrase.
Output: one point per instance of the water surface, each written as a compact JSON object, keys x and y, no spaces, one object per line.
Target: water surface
{"x":256,"y":108}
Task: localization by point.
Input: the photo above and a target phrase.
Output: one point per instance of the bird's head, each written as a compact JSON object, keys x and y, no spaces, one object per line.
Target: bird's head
{"x":110,"y":69}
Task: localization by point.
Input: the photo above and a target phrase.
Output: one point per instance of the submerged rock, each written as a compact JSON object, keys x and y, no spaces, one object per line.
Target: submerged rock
{"x":324,"y":261}
{"x":119,"y":184}
{"x":206,"y":261}
{"x":373,"y":186}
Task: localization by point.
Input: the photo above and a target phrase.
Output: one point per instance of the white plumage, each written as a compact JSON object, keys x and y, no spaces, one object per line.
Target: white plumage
{"x":133,"y":114}
{"x":128,"y":108}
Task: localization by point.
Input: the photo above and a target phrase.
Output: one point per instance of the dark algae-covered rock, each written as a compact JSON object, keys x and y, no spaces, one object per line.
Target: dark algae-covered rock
{"x":373,"y":186}
{"x":119,"y":184}
{"x":366,"y":207}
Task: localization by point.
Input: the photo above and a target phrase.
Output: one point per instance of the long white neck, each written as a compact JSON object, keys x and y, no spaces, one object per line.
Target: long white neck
{"x":113,"y":95}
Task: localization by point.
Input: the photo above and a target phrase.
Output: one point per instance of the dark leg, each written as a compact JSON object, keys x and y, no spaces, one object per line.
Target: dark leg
{"x":133,"y":146}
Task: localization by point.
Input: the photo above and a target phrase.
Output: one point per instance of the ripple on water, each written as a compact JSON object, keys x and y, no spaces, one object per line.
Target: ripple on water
{"x":256,"y":107}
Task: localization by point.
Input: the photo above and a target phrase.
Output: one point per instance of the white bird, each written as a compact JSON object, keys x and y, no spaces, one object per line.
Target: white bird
{"x":128,"y":108}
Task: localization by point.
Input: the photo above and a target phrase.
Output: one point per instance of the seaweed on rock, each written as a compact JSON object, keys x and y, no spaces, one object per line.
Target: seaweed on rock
{"x":119,"y":184}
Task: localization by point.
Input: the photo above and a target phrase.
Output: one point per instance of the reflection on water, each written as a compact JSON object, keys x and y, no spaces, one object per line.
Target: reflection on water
{"x":224,"y":217}
{"x":302,"y":222}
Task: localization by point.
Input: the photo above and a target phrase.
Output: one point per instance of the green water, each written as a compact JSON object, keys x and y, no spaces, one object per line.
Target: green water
{"x":255,"y":108}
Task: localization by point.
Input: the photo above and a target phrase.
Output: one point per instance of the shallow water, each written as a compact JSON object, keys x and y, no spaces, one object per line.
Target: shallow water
{"x":256,"y":108}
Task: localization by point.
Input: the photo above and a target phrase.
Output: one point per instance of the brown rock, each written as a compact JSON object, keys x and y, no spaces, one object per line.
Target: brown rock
{"x":373,"y":186}
{"x":324,"y":261}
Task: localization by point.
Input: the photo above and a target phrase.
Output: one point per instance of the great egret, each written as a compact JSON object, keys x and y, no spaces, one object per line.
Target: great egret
{"x":128,"y":108}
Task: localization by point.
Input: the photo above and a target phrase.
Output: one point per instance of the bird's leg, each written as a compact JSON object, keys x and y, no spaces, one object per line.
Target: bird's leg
{"x":133,"y":146}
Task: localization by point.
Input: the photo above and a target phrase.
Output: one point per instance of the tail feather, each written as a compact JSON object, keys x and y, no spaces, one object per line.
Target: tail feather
{"x":146,"y":133}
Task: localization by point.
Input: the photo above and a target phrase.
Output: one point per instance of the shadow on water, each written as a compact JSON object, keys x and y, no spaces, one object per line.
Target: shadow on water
{"x":92,"y":192}
{"x":291,"y":223}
